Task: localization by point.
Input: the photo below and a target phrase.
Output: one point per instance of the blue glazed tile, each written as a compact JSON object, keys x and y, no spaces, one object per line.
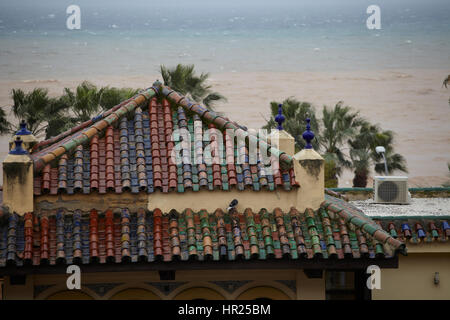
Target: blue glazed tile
{"x":405,"y":226}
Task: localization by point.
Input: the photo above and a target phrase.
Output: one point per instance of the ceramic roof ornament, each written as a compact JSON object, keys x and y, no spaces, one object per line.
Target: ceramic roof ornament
{"x":308,"y":135}
{"x":279,"y":118}
{"x":23,"y":131}
{"x":18,"y":150}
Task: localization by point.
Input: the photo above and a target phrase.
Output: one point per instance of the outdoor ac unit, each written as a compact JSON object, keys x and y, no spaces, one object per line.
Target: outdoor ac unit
{"x":391,"y":189}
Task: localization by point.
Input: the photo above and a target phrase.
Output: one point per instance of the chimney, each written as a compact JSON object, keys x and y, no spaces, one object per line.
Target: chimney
{"x":18,"y":180}
{"x":28,"y":139}
{"x":310,"y":174}
{"x":280,"y":138}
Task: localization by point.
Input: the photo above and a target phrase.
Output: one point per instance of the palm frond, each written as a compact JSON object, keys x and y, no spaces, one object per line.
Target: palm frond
{"x":183,"y":79}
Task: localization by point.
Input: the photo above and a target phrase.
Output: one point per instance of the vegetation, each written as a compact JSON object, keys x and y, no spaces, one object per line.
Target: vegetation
{"x":51,"y":116}
{"x":447,"y":184}
{"x":5,"y":126}
{"x":446,"y":83}
{"x":295,"y":113}
{"x":183,"y":79}
{"x":343,"y":137}
{"x":111,"y":97}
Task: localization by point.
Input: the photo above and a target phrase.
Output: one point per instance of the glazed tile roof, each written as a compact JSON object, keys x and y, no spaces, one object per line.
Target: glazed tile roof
{"x":337,"y":230}
{"x":417,"y":229}
{"x":409,"y":229}
{"x":129,"y":149}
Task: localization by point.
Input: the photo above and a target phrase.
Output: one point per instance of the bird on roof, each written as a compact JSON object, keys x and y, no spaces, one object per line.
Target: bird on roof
{"x":232,"y":206}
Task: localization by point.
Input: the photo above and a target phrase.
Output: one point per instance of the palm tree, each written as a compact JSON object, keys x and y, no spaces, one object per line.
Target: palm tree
{"x":331,"y":171}
{"x":360,"y":163}
{"x":447,"y":184}
{"x":446,"y":81}
{"x":363,"y":154}
{"x":111,"y":97}
{"x":295,"y":113}
{"x":339,"y":124}
{"x":84,"y":103}
{"x":183,"y":79}
{"x":339,"y":129}
{"x":36,"y":108}
{"x":5,"y":125}
{"x":56,"y":115}
{"x":395,"y":161}
{"x":361,"y":146}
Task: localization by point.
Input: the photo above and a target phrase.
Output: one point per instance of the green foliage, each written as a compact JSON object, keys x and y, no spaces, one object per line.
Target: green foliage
{"x":446,"y":81}
{"x":5,"y":125}
{"x":84,"y":103}
{"x":343,"y":137}
{"x":295,"y":113}
{"x":445,"y":84}
{"x":183,"y":79}
{"x":110,"y":97}
{"x":331,"y":180}
{"x":36,"y":108}
{"x":339,"y":124}
{"x":55,"y":115}
{"x":447,"y":184}
{"x":360,"y":163}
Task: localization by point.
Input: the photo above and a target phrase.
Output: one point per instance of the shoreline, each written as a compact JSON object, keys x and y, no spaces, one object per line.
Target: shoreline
{"x":411,"y":102}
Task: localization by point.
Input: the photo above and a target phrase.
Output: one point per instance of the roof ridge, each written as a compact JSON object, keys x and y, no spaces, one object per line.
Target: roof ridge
{"x":221,"y":122}
{"x":428,"y":217}
{"x":80,"y":136}
{"x":77,"y":128}
{"x":353,"y":215}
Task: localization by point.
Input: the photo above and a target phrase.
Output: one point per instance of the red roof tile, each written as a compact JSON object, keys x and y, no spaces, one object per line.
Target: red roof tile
{"x":101,"y":237}
{"x":135,"y":155}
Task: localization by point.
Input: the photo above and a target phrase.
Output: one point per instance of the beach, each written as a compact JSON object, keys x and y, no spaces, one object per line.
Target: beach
{"x":410,"y":102}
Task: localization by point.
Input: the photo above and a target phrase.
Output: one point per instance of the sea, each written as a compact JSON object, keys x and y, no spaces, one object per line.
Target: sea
{"x":135,"y":37}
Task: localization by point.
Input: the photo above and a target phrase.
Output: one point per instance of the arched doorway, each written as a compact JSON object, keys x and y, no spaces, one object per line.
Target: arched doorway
{"x":199,"y":293}
{"x":135,"y":294}
{"x":70,"y":295}
{"x":263,"y":292}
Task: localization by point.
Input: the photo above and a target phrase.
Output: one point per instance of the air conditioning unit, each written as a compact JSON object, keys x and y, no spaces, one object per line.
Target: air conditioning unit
{"x":391,"y":189}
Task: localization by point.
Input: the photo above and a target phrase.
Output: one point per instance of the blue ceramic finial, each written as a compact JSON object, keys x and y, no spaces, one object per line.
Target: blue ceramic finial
{"x":279,"y":118}
{"x":308,"y":135}
{"x":23,"y":131}
{"x":18,"y":150}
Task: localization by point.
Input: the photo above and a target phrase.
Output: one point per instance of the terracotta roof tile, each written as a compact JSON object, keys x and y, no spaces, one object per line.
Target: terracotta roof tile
{"x":101,"y":237}
{"x":116,"y":152}
{"x":135,"y":156}
{"x":417,"y":229}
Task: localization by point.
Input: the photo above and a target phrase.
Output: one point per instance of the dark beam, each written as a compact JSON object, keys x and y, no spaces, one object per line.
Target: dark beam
{"x":314,"y":264}
{"x":166,"y":274}
{"x":313,"y":273}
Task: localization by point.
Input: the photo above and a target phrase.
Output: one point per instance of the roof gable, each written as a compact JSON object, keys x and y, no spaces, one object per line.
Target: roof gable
{"x":129,"y":148}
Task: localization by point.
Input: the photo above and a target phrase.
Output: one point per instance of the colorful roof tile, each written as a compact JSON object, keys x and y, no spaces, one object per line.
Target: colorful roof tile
{"x":336,"y":230}
{"x":417,"y":229}
{"x":129,"y":149}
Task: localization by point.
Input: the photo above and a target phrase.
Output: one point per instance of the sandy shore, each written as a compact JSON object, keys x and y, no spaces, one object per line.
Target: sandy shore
{"x":412,"y":103}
